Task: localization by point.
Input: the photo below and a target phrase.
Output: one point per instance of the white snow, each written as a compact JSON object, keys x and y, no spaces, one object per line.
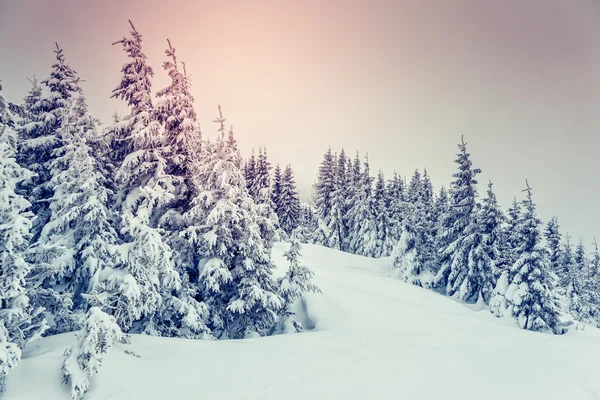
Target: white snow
{"x":375,"y":337}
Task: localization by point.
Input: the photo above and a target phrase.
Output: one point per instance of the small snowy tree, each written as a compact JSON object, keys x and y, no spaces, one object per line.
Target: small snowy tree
{"x":293,"y":287}
{"x":553,"y":241}
{"x":383,"y":245}
{"x":525,"y":291}
{"x":100,"y":331}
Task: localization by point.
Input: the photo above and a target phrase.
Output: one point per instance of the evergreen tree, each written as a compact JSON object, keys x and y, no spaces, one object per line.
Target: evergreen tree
{"x":175,"y":111}
{"x":20,"y":323}
{"x":276,"y":191}
{"x":324,"y":190}
{"x":39,"y":135}
{"x":363,"y":224}
{"x":553,"y":242}
{"x":235,"y":269}
{"x":396,"y":208}
{"x":84,"y":358}
{"x":293,"y":287}
{"x":383,"y":244}
{"x":288,"y":209}
{"x":261,"y":190}
{"x":510,"y":232}
{"x":148,"y":276}
{"x":76,"y":243}
{"x":455,"y":223}
{"x":525,"y":291}
{"x":250,"y":173}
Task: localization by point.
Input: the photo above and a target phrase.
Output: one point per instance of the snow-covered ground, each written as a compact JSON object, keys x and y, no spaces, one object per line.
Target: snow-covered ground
{"x":374,"y":338}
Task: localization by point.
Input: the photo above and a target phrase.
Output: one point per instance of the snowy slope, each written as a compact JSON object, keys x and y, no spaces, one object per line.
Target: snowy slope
{"x":374,"y":338}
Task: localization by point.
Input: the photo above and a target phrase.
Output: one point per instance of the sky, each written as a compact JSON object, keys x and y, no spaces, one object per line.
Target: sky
{"x":399,"y":80}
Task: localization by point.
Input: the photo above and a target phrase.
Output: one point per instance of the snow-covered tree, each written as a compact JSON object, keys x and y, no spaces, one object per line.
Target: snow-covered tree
{"x":77,"y":241}
{"x":146,"y":277}
{"x":414,"y":254}
{"x":525,"y":291}
{"x":260,"y":190}
{"x":175,"y":111}
{"x":553,"y":242}
{"x":383,"y":244}
{"x":84,"y":358}
{"x":362,"y":227}
{"x":324,"y":190}
{"x":455,"y":223}
{"x":288,"y":202}
{"x":20,"y":323}
{"x":293,"y":287}
{"x":396,"y":208}
{"x":275,"y":189}
{"x":39,"y":135}
{"x":234,"y":265}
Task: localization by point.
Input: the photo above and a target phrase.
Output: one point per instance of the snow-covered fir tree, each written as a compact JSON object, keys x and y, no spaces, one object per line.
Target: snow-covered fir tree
{"x":235,"y":269}
{"x":324,"y":190}
{"x":260,"y":190}
{"x":175,"y":111}
{"x":147,"y":275}
{"x":76,"y":243}
{"x":553,"y":242}
{"x":84,"y":358}
{"x":39,"y":134}
{"x":383,"y":244}
{"x":288,"y":202}
{"x":20,"y":323}
{"x":414,"y":254}
{"x":454,"y":225}
{"x":293,"y":287}
{"x":361,"y":222}
{"x":525,"y":291}
{"x":275,"y":189}
{"x":396,"y":208}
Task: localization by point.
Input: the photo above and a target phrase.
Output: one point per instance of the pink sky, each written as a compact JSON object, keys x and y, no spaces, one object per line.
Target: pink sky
{"x":401,"y":80}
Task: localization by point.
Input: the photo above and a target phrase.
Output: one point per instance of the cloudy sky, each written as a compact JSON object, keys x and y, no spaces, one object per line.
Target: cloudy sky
{"x":401,"y":80}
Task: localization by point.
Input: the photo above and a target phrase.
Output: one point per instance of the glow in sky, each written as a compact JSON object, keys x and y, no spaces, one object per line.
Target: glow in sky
{"x":401,"y":80}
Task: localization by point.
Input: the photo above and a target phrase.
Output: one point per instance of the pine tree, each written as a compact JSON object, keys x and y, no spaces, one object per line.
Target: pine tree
{"x":455,"y":223}
{"x":39,"y":135}
{"x":414,"y":254}
{"x":324,"y":190}
{"x":362,"y":222}
{"x":20,"y":323}
{"x":175,"y":111}
{"x":525,"y":291}
{"x":293,"y":287}
{"x":396,"y":207}
{"x":276,"y":191}
{"x":383,"y":245}
{"x":235,"y":270}
{"x":288,"y":208}
{"x":261,"y":190}
{"x":84,"y":358}
{"x":510,"y":232}
{"x":146,"y":189}
{"x":250,"y":173}
{"x":553,"y":241}
{"x":76,"y":243}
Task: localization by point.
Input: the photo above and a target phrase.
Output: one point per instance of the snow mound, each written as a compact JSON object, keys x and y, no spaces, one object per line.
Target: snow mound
{"x":370,"y":336}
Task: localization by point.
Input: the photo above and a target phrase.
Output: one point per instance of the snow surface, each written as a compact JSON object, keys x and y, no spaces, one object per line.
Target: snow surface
{"x":374,"y":337}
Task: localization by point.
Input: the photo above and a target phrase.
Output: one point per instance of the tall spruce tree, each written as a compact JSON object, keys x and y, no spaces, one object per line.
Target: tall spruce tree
{"x":76,"y":244}
{"x":383,"y":244}
{"x":525,"y":291}
{"x":39,"y":135}
{"x":455,"y":224}
{"x":362,"y":225}
{"x":146,"y":189}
